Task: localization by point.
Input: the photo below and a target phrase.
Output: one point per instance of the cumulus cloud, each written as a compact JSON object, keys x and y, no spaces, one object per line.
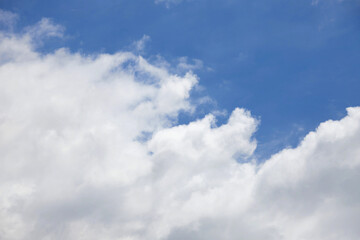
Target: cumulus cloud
{"x":90,"y":149}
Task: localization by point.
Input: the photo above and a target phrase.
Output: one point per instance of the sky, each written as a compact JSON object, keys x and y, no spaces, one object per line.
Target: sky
{"x":179,"y":119}
{"x":292,"y":63}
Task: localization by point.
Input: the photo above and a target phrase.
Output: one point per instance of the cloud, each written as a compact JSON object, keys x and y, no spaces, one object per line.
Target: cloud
{"x":45,"y":28}
{"x":317,"y":2}
{"x":8,"y":19}
{"x":184,"y":64}
{"x":90,"y":149}
{"x":168,"y":3}
{"x":139,"y":45}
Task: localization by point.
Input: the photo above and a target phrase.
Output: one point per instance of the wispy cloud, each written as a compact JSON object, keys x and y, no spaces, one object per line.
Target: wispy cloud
{"x":168,"y":3}
{"x":45,"y":28}
{"x":139,"y":45}
{"x":8,"y":19}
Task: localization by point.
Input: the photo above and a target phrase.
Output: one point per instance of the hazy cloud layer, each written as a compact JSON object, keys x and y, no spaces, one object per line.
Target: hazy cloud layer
{"x":89,"y":150}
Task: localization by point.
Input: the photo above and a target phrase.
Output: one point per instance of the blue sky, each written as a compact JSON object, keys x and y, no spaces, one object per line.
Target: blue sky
{"x":292,"y":63}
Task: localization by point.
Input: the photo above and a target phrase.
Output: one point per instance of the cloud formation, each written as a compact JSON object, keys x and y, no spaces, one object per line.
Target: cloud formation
{"x":7,"y":19}
{"x":90,"y":149}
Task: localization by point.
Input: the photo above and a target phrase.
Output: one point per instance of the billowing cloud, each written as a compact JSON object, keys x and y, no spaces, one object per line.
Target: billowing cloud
{"x":90,"y":149}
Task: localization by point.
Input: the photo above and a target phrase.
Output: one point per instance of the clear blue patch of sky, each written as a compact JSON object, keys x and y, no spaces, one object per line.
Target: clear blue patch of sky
{"x":293,"y":64}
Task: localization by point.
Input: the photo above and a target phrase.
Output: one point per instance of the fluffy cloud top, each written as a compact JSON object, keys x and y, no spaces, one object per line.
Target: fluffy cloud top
{"x":89,"y":149}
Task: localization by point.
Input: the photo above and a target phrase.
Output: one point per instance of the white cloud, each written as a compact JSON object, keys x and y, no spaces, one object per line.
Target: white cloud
{"x":139,"y":45}
{"x":8,"y":19}
{"x":89,"y":150}
{"x":185,"y":65}
{"x":43,"y":29}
